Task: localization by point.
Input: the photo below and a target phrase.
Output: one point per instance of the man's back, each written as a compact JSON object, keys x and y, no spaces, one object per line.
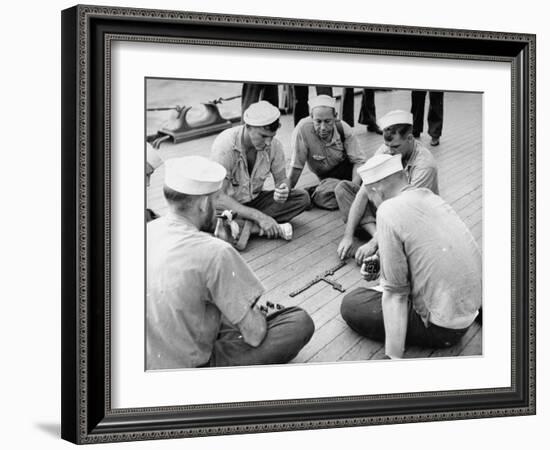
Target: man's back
{"x":427,"y":252}
{"x":193,"y":279}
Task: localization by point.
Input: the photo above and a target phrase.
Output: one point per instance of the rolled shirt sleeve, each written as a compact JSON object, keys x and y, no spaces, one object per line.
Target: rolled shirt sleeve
{"x":278,"y":163}
{"x":356,"y":154}
{"x":222,"y":153}
{"x":425,"y":177}
{"x":232,"y":285}
{"x":394,"y":269}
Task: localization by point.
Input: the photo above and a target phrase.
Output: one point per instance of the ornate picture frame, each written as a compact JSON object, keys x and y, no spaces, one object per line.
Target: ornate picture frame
{"x":88,"y":33}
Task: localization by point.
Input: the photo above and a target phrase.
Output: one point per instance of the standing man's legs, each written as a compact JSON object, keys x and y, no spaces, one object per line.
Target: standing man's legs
{"x":418,"y":99}
{"x":435,"y":116}
{"x":253,"y":92}
{"x":301,"y":108}
{"x":347,"y":107}
{"x":301,"y":96}
{"x":324,"y":90}
{"x":270,"y":94}
{"x":367,"y":115}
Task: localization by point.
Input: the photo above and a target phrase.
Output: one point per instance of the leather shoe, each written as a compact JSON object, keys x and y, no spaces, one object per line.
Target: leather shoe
{"x":434,"y":142}
{"x":374,"y":129}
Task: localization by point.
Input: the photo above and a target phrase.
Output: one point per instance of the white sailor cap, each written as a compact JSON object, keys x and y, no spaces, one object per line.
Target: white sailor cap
{"x":322,"y":100}
{"x":153,"y":157}
{"x":379,"y":167}
{"x":261,"y":114}
{"x":394,"y":118}
{"x":194,"y":175}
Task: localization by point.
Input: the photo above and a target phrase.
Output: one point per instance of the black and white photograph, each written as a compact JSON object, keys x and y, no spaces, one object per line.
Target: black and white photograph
{"x":283,"y":223}
{"x":299,"y":224}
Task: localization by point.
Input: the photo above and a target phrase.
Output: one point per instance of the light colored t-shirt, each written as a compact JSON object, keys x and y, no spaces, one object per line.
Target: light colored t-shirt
{"x":421,"y":168}
{"x":421,"y":172}
{"x":428,"y":253}
{"x":243,"y":186}
{"x":193,"y":280}
{"x":321,"y":156}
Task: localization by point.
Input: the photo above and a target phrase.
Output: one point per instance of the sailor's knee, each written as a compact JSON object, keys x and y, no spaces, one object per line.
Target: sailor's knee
{"x":340,"y":189}
{"x":347,"y":306}
{"x":306,"y":325}
{"x":301,"y":197}
{"x":353,"y":303}
{"x":343,"y":191}
{"x":302,"y":323}
{"x":325,"y":200}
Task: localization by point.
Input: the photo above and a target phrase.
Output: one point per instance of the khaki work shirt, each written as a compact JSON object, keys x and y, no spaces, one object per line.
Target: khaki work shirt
{"x":193,"y":280}
{"x":321,"y":156}
{"x":243,"y":186}
{"x":428,"y":254}
{"x":421,"y":168}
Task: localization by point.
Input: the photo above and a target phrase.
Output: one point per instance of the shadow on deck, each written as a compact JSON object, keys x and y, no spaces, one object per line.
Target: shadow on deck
{"x":286,"y":266}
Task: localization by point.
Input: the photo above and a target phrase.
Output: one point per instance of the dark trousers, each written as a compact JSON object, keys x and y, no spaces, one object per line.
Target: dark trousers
{"x":297,"y":202}
{"x":288,"y":331}
{"x":362,"y":311}
{"x":301,"y":95}
{"x":343,"y":171}
{"x":435,"y":112}
{"x":367,"y":115}
{"x":254,"y":92}
{"x":323,"y":196}
{"x":346,"y":106}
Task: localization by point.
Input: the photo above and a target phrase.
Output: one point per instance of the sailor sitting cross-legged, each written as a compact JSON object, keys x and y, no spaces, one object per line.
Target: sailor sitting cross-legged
{"x":430,"y":266}
{"x":250,"y":153}
{"x":356,"y":208}
{"x":329,"y":148}
{"x":201,"y":295}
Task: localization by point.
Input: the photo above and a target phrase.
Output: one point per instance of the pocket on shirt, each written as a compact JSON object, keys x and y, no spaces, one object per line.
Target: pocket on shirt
{"x":336,"y":154}
{"x":235,"y":178}
{"x":262,"y":172}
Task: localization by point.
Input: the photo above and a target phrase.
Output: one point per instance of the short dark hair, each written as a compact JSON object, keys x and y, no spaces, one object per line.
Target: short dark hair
{"x":272,"y":127}
{"x":177,"y":199}
{"x":403,"y":129}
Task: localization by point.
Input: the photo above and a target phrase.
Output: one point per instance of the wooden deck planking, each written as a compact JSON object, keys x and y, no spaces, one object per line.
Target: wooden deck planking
{"x":319,"y":340}
{"x":297,"y":244}
{"x":363,"y":349}
{"x":473,"y":333}
{"x":285,"y":266}
{"x":475,"y":345}
{"x":348,"y":277}
{"x":341,"y":343}
{"x":289,"y":267}
{"x":303,"y":224}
